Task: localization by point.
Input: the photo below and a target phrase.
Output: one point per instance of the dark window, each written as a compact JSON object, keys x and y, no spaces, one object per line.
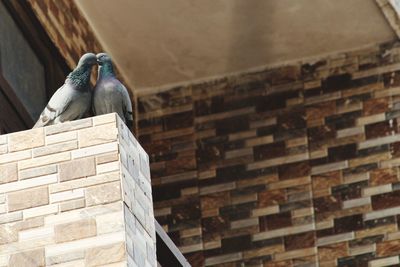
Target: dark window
{"x":20,"y":66}
{"x":31,"y":68}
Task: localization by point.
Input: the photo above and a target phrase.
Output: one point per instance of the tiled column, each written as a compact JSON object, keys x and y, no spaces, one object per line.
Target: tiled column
{"x":75,"y":194}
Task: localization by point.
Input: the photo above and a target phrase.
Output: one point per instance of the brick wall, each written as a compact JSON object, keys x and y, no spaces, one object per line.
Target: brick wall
{"x":290,"y":166}
{"x":76,"y":194}
{"x":67,"y":28}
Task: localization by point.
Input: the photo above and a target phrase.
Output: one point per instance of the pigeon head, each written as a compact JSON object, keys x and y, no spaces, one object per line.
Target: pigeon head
{"x":87,"y":60}
{"x":80,"y":76}
{"x":103,"y":58}
{"x":105,"y":65}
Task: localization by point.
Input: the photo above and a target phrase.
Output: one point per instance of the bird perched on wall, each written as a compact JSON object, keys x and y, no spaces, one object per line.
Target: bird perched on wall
{"x":109,"y":94}
{"x":72,"y":100}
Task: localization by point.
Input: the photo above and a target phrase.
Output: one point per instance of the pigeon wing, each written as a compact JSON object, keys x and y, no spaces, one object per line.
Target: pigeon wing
{"x":58,"y":103}
{"x":126,"y":105}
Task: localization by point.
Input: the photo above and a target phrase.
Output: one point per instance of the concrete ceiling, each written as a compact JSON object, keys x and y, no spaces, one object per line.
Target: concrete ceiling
{"x":157,"y":42}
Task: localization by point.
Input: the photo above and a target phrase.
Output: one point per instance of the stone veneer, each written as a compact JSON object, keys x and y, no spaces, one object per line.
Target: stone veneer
{"x":76,"y":194}
{"x":296,"y":165}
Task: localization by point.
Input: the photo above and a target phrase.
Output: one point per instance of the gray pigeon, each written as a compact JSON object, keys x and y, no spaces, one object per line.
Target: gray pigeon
{"x":72,"y":100}
{"x":109,"y":94}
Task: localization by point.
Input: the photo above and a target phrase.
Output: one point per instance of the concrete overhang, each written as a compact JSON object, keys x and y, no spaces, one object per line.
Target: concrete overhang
{"x":156,"y":43}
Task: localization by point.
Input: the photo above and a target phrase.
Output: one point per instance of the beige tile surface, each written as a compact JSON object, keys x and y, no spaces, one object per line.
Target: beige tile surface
{"x":61,"y":196}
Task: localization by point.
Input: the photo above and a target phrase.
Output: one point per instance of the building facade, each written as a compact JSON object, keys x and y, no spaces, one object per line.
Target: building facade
{"x":289,"y":166}
{"x":295,"y":165}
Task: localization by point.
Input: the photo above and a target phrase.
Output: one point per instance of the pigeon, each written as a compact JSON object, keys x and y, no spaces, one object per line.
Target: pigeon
{"x":109,"y":94}
{"x":72,"y":100}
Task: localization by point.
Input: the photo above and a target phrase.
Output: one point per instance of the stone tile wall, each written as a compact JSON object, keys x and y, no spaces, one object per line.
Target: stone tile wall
{"x":289,"y":166}
{"x":76,"y":194}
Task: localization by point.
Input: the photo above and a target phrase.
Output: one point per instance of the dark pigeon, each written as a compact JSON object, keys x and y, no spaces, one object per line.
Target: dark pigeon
{"x":109,"y":94}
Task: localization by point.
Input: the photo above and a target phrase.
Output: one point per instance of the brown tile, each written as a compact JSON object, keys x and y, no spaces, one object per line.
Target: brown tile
{"x":238,"y":243}
{"x":178,"y":120}
{"x":321,"y":110}
{"x":299,"y":241}
{"x":262,"y":180}
{"x":395,"y":149}
{"x":387,"y":200}
{"x":271,"y":102}
{"x":209,"y":153}
{"x":391,"y":79}
{"x":388,"y":248}
{"x":325,"y":232}
{"x":182,"y":163}
{"x":375,"y":106}
{"x":332,"y":252}
{"x":337,"y":82}
{"x":291,"y":183}
{"x":187,"y":211}
{"x":298,"y":254}
{"x":326,"y":180}
{"x":195,"y":258}
{"x":348,"y":224}
{"x":292,"y":119}
{"x":287,"y":263}
{"x":215,"y":200}
{"x":382,"y":176}
{"x":327,"y":204}
{"x":339,"y":153}
{"x":374,"y":234}
{"x":380,"y":129}
{"x":269,"y":151}
{"x":53,"y":8}
{"x":259,"y":252}
{"x":214,"y":224}
{"x":292,"y":170}
{"x":158,"y":146}
{"x":232,"y":125}
{"x":320,"y":133}
{"x":275,"y":221}
{"x":309,"y":260}
{"x":271,"y":197}
{"x":251,"y":230}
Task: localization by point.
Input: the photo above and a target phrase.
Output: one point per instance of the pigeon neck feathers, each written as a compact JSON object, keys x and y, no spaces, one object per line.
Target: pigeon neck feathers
{"x":80,"y":77}
{"x":106,"y":70}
